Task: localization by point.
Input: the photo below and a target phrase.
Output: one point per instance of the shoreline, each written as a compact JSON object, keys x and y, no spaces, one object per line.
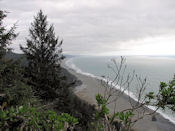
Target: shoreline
{"x":91,"y":86}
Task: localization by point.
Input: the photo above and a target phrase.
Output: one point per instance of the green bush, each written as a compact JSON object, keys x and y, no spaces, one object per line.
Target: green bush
{"x":29,"y":118}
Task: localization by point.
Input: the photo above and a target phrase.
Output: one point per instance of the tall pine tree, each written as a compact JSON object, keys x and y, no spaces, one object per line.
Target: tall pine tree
{"x":44,"y":54}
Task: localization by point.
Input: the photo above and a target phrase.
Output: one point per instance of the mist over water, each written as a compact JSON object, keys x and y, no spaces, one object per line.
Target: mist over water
{"x":154,"y":69}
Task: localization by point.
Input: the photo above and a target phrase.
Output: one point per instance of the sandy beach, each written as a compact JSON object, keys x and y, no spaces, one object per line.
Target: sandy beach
{"x":91,"y":86}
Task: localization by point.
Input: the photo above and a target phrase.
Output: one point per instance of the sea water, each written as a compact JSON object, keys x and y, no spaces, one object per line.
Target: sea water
{"x":154,"y":69}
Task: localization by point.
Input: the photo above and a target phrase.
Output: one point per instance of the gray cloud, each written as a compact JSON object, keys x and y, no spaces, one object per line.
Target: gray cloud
{"x":95,"y":26}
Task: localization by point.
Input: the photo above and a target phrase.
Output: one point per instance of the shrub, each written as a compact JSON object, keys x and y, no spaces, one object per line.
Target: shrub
{"x":29,"y":118}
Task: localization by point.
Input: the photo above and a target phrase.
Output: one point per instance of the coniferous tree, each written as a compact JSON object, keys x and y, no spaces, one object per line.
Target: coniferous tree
{"x":44,"y":54}
{"x":6,"y":36}
{"x":13,"y":90}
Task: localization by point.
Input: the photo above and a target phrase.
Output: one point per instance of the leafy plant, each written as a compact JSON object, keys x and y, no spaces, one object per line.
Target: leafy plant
{"x":24,"y":117}
{"x":166,"y":96}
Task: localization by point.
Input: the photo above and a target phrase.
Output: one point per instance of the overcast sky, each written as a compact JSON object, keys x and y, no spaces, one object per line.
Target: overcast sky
{"x":103,"y":27}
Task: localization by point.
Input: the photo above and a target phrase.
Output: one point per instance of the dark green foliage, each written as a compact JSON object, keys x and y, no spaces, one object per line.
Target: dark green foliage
{"x":124,"y":117}
{"x":44,"y":54}
{"x":100,"y":100}
{"x":29,"y":118}
{"x":78,"y":108}
{"x":19,"y":94}
{"x":166,"y":96}
{"x":103,"y":110}
{"x":12,"y":85}
{"x":118,"y":121}
{"x":6,"y":36}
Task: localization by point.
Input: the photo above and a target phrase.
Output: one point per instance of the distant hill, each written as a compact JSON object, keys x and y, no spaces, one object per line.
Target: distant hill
{"x":15,"y":56}
{"x":11,"y":55}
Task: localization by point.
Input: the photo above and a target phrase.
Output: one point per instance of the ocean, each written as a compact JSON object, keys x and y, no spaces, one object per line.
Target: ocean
{"x":154,"y":69}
